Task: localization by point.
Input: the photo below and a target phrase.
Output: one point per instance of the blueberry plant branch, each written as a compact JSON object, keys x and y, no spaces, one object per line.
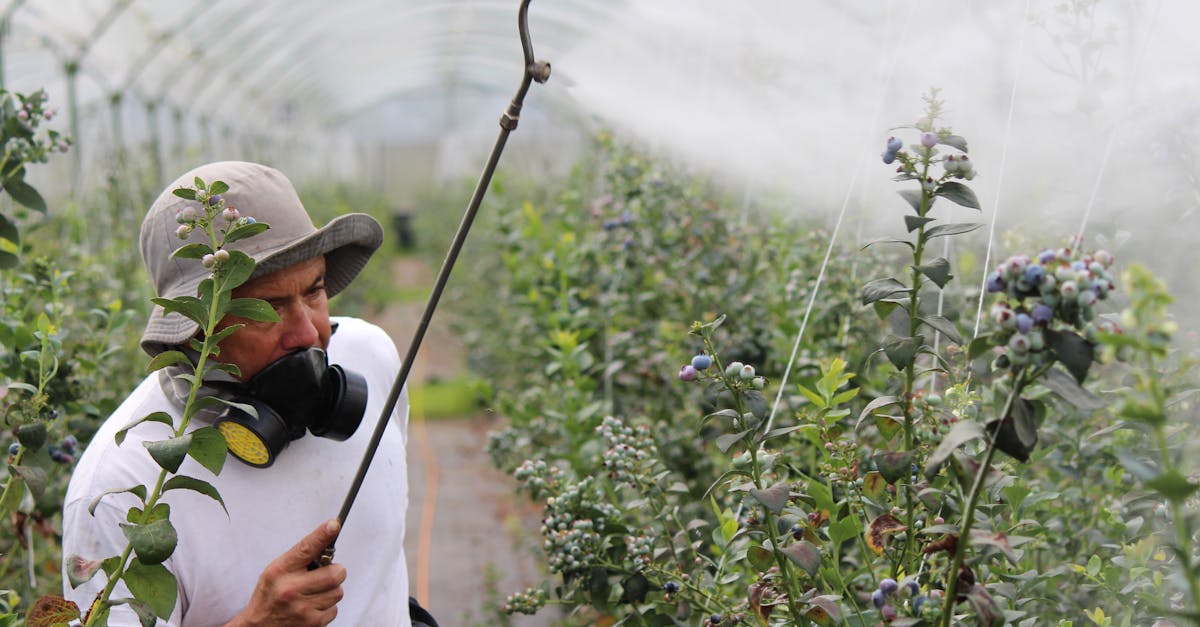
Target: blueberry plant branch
{"x":1147,"y":335}
{"x":152,"y":538}
{"x":885,"y":294}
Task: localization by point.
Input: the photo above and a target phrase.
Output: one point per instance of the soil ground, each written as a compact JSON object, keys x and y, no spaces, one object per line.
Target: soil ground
{"x":471,"y":539}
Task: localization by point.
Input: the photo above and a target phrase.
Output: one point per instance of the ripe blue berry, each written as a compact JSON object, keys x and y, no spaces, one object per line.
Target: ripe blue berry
{"x":878,"y":598}
{"x":214,"y":200}
{"x":894,"y":144}
{"x":701,"y":362}
{"x":1046,"y":256}
{"x":14,"y":448}
{"x":911,"y":585}
{"x":249,"y":220}
{"x":671,"y":587}
{"x":888,"y":586}
{"x":687,"y":373}
{"x":919,"y":604}
{"x":887,"y":156}
{"x":1034,"y":274}
{"x":995,"y":283}
{"x":929,"y":140}
{"x":716,"y":619}
{"x":1024,"y":322}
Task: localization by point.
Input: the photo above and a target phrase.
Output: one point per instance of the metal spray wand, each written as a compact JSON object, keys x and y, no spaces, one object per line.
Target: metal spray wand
{"x":534,"y":71}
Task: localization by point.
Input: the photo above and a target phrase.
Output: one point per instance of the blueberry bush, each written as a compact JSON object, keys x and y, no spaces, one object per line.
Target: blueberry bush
{"x":909,"y":471}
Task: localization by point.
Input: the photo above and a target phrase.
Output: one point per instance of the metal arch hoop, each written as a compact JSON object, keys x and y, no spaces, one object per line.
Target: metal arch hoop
{"x":538,"y":71}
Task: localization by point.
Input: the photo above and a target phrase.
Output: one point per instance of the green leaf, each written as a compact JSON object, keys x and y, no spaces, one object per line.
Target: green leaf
{"x":34,"y":477}
{"x":913,"y":197}
{"x":236,"y":270}
{"x":10,"y":243}
{"x":169,"y":453}
{"x":25,"y":194}
{"x":153,"y":585}
{"x":943,"y":326}
{"x":980,"y":346}
{"x":727,"y":440}
{"x":188,"y":306}
{"x":938,"y":271}
{"x":845,"y":529}
{"x":821,"y":495}
{"x":1075,"y":353}
{"x":957,"y":228}
{"x":634,"y":588}
{"x":166,"y":358}
{"x":32,"y":436}
{"x":192,"y":251}
{"x":1067,"y":388}
{"x":14,"y":493}
{"x":144,"y":612}
{"x":208,"y":447}
{"x":1141,"y":410}
{"x":773,"y":498}
{"x":889,"y":240}
{"x":987,"y":613}
{"x":1172,"y":485}
{"x":761,"y":558}
{"x":958,"y":193}
{"x":252,"y":309}
{"x":242,"y":231}
{"x":962,"y":432}
{"x":153,"y":542}
{"x":199,"y":183}
{"x":878,"y":403}
{"x":915,"y":222}
{"x":80,"y":570}
{"x":805,"y":555}
{"x":902,"y":351}
{"x":1016,"y":434}
{"x":812,"y":396}
{"x":137,"y":490}
{"x":184,"y":482}
{"x":954,"y":141}
{"x":894,"y":465}
{"x":185,"y":193}
{"x":158,"y":416}
{"x":218,"y":187}
{"x":880,"y":289}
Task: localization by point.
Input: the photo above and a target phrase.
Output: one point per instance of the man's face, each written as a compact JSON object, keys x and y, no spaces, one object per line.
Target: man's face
{"x":298,"y":295}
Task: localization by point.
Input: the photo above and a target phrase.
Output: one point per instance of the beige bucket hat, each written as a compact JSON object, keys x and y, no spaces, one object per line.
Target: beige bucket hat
{"x":266,"y":195}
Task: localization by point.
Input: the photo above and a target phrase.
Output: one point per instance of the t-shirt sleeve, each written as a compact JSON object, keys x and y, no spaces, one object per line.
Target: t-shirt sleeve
{"x":97,"y":538}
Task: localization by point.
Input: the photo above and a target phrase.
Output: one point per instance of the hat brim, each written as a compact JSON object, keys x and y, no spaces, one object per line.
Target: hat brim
{"x":347,"y":243}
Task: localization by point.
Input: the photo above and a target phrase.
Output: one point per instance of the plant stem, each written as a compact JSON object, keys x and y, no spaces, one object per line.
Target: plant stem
{"x":964,"y":531}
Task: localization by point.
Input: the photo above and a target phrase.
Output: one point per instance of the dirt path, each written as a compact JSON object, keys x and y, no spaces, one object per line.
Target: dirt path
{"x":471,"y":538}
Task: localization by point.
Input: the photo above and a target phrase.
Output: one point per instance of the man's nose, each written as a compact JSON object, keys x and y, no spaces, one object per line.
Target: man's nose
{"x":299,"y":330}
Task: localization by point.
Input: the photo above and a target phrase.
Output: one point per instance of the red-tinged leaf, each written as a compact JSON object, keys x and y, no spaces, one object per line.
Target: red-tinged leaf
{"x":873,"y":485}
{"x":805,"y":555}
{"x":948,"y":543}
{"x":881,"y":530}
{"x":987,"y":613}
{"x":50,"y":611}
{"x":80,"y":570}
{"x":824,"y":610}
{"x":997,"y":540}
{"x":894,"y":465}
{"x":773,"y":498}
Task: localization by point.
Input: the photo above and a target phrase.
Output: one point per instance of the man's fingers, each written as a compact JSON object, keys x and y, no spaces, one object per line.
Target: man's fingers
{"x":311,"y":546}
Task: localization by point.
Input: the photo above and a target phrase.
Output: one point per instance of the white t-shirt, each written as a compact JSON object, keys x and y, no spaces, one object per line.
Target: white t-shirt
{"x":219,"y":557}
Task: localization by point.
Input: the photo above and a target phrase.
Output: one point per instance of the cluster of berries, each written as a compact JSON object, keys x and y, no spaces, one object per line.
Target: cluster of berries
{"x":891,"y":149}
{"x":628,"y":449}
{"x":889,"y":587}
{"x":537,"y":476}
{"x":1059,"y":286}
{"x":527,"y":602}
{"x":957,"y":166}
{"x":190,"y":219}
{"x":29,"y":112}
{"x":571,"y":537}
{"x":626,"y":219}
{"x":65,"y":451}
{"x":641,"y":550}
{"x":733,"y":372}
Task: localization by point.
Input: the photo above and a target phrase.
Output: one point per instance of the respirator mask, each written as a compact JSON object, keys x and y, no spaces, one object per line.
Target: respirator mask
{"x":296,"y":393}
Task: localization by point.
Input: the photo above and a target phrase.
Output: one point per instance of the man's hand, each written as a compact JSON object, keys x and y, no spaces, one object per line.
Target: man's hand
{"x":289,"y":594}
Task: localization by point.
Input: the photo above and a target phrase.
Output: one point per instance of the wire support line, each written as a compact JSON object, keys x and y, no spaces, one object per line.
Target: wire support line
{"x":858,"y":168}
{"x":1116,"y":126}
{"x":1012,"y":102}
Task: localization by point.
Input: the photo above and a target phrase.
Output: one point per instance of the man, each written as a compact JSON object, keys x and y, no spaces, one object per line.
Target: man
{"x":250,"y":566}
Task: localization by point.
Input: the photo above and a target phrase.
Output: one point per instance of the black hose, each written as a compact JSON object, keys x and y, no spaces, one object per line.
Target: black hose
{"x":534,"y":71}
